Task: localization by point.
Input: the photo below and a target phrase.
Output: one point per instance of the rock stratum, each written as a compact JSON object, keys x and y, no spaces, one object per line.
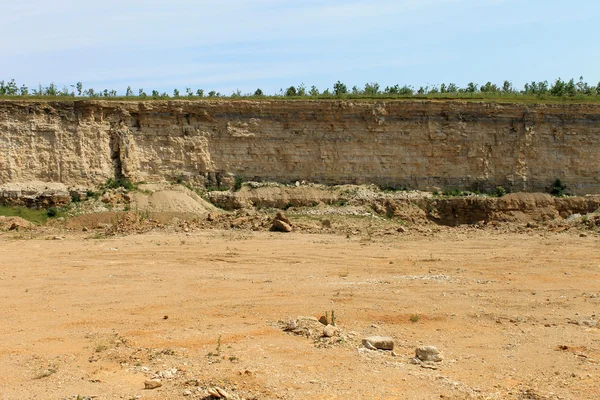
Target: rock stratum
{"x":423,"y":145}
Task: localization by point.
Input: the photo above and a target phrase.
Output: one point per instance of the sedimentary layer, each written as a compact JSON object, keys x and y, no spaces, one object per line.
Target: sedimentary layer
{"x":425,"y":145}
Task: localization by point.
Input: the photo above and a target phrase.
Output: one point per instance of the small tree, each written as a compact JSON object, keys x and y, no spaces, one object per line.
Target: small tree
{"x":570,"y":88}
{"x":371,"y":89}
{"x":291,"y":91}
{"x":301,"y":90}
{"x":141,"y":93}
{"x":155,"y":94}
{"x":176,"y":93}
{"x":314,"y":92}
{"x":129,"y":92}
{"x":452,"y":88}
{"x":559,"y":88}
{"x":340,"y":89}
{"x":200,"y":92}
{"x":212,"y":93}
{"x":507,"y":87}
{"x":189,"y":92}
{"x":471,"y":87}
{"x":51,"y":90}
{"x":258,"y":93}
{"x":79,"y":86}
{"x":24,"y":91}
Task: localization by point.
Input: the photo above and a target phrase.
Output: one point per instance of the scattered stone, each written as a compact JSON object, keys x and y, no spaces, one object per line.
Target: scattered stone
{"x":323,"y":319}
{"x":379,"y":342}
{"x":326,"y":223}
{"x":369,"y":346}
{"x":587,"y":322}
{"x":281,"y":217}
{"x":280,"y":226}
{"x":218,"y":393}
{"x":428,"y":353}
{"x":583,"y":235}
{"x":212,"y":216}
{"x":187,"y":392}
{"x":292,"y":325}
{"x":153,"y":384}
{"x":401,"y":229}
{"x":330,"y":331}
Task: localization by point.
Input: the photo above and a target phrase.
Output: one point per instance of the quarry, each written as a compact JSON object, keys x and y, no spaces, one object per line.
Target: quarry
{"x":299,"y":249}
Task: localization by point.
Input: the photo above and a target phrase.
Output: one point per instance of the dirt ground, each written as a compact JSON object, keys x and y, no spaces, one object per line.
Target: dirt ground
{"x":515,"y":315}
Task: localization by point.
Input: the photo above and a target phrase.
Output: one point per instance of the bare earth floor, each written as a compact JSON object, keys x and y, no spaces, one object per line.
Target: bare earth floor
{"x":515,"y":315}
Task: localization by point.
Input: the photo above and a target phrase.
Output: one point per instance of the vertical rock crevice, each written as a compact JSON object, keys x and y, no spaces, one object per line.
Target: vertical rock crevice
{"x":115,"y":155}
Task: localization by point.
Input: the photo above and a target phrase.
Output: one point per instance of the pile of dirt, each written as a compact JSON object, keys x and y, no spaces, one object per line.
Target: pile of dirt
{"x":14,"y":224}
{"x":152,"y":198}
{"x":128,"y":223}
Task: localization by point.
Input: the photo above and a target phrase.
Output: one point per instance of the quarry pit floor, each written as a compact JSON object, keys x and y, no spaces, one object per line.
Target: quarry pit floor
{"x":515,"y":316}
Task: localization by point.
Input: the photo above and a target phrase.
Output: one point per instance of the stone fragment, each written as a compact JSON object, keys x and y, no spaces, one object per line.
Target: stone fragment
{"x":153,"y":384}
{"x":281,"y":217}
{"x":292,"y":325}
{"x":330,"y":331}
{"x":379,"y":342}
{"x":428,"y":353}
{"x":280,"y":226}
{"x":323,"y":320}
{"x":218,"y":393}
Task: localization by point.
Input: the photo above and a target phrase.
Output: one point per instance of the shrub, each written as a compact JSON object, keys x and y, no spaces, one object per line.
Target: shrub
{"x":558,"y":188}
{"x":237,"y":183}
{"x":52,"y":212}
{"x":117,"y":183}
{"x":500,"y":191}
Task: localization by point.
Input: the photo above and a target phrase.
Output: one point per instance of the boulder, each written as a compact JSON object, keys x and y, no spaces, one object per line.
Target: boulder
{"x":428,"y":353}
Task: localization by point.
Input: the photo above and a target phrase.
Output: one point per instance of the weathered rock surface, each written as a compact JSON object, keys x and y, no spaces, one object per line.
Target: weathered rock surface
{"x":425,"y":145}
{"x":428,"y":354}
{"x":379,"y":342}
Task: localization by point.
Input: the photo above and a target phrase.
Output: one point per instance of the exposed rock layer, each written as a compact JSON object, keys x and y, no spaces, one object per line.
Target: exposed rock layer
{"x":425,"y":145}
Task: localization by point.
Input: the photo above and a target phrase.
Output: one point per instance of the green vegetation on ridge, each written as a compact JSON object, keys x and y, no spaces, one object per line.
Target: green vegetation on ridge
{"x":559,"y":90}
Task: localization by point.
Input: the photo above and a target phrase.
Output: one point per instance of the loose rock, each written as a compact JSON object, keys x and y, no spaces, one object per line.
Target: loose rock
{"x":280,"y":226}
{"x":330,"y":331}
{"x":218,"y":393}
{"x":379,"y":342}
{"x":152,"y":384}
{"x":428,"y":353}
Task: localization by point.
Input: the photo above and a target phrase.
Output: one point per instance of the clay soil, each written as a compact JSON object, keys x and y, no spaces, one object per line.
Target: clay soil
{"x":514,"y":315}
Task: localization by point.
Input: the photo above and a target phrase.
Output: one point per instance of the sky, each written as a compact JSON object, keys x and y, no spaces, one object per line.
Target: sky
{"x":230,"y":45}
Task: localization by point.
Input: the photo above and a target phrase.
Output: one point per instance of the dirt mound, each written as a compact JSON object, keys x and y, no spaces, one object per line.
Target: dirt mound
{"x":169,"y":198}
{"x":14,"y":224}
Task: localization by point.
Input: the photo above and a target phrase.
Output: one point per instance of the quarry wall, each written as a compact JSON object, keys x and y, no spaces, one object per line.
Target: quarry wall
{"x":425,"y":145}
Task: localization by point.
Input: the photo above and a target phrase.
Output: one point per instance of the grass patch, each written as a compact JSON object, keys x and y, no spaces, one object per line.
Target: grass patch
{"x":414,"y":318}
{"x":30,"y":214}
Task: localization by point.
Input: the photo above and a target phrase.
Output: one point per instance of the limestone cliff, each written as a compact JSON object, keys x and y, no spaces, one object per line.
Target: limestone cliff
{"x":426,"y":145}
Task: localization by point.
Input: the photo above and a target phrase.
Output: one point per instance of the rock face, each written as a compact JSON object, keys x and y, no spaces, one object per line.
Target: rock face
{"x":425,"y":145}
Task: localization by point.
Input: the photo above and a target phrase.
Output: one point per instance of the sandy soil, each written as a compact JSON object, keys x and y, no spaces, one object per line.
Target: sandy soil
{"x":514,"y":315}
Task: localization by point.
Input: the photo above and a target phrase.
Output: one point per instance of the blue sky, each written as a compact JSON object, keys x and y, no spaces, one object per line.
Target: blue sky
{"x":241,"y":44}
